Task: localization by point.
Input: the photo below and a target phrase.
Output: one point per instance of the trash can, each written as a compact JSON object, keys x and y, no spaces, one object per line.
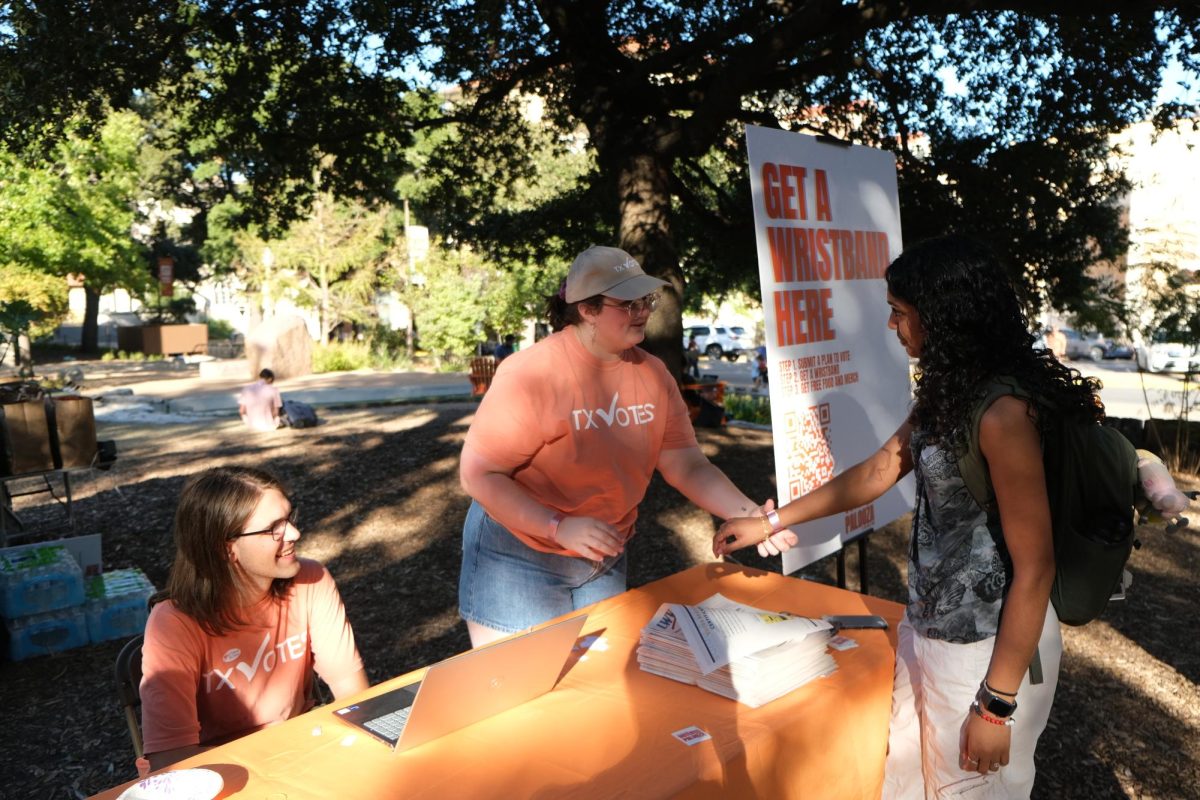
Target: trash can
{"x":705,"y":402}
{"x":713,"y":391}
{"x":483,"y":368}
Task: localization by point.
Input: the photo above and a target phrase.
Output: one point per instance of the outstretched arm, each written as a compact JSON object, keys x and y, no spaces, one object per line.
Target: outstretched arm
{"x":860,"y":484}
{"x":699,"y":480}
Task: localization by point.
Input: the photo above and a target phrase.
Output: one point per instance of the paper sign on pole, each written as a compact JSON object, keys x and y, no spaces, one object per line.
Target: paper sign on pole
{"x":166,"y":276}
{"x":827,"y":223}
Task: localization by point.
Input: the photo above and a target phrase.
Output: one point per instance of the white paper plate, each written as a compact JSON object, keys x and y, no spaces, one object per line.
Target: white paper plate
{"x":180,"y":784}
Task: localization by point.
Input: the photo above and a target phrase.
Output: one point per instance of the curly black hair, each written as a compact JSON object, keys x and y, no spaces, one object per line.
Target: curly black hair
{"x":976,"y":331}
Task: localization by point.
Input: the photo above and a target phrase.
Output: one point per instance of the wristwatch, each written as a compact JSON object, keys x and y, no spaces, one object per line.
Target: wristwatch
{"x":994,"y":704}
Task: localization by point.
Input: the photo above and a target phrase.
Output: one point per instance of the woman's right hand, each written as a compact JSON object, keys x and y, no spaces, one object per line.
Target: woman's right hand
{"x":589,"y":537}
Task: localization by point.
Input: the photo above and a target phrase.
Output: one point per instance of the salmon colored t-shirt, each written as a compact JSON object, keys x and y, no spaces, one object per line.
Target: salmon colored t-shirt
{"x":581,"y":435}
{"x":199,"y":689}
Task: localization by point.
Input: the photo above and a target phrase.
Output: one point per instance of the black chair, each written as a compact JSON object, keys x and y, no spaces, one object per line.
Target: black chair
{"x":128,"y":672}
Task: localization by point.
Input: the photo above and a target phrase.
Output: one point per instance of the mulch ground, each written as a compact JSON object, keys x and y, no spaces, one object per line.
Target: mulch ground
{"x":382,"y":508}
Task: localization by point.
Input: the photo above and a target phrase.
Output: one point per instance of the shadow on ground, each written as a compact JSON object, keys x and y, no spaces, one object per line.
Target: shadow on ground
{"x":381,"y":507}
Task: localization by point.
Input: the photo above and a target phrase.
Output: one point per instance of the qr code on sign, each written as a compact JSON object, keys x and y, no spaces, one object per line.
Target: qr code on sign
{"x":809,"y":457}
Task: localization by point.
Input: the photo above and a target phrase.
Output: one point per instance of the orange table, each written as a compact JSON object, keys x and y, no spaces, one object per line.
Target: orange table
{"x":605,"y":730}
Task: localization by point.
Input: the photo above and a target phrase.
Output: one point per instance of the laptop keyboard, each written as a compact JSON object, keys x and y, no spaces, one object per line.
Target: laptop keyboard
{"x":390,"y":725}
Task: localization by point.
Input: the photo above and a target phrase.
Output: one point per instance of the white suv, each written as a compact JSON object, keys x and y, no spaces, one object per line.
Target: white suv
{"x":1164,"y":356}
{"x":717,"y":340}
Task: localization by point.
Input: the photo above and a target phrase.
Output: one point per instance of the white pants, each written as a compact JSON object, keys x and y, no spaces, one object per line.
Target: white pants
{"x":935,"y":684}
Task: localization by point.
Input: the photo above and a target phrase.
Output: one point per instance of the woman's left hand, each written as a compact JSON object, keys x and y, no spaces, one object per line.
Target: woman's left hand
{"x":984,"y":745}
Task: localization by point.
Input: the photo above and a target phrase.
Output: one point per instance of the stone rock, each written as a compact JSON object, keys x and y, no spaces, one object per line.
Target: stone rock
{"x":281,"y":344}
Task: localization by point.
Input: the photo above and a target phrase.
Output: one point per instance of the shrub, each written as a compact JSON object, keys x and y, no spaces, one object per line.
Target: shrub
{"x":341,"y":357}
{"x":749,"y":408}
{"x":220,"y":329}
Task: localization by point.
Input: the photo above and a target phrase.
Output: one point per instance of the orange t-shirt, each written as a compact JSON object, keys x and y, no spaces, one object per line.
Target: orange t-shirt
{"x":581,"y":435}
{"x":200,"y":689}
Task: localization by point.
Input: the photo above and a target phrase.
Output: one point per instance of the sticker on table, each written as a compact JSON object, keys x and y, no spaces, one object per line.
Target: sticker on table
{"x":842,"y":643}
{"x":691,"y":735}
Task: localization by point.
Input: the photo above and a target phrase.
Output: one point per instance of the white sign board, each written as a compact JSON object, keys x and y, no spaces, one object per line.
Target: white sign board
{"x":827,"y":223}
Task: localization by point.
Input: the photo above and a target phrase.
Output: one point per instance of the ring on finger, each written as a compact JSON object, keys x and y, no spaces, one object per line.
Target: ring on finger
{"x":994,"y":768}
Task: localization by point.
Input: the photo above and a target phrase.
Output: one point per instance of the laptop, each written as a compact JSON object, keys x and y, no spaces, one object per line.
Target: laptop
{"x":467,"y":688}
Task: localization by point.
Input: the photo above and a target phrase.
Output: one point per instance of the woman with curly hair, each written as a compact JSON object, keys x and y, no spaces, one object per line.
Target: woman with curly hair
{"x":979,"y":638}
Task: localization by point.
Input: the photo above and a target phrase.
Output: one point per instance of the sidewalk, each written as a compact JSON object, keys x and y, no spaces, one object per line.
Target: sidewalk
{"x":192,"y":396}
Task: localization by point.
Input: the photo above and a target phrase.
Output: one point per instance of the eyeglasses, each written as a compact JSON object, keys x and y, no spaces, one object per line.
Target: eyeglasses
{"x":632,"y":307}
{"x":278,"y":528}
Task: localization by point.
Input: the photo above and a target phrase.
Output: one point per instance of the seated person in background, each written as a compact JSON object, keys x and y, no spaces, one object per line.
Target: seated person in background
{"x":506,"y":349}
{"x":259,"y":403}
{"x":243,"y":622}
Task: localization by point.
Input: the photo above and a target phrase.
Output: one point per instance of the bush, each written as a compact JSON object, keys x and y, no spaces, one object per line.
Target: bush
{"x":389,"y":348}
{"x":749,"y":408}
{"x":220,"y":329}
{"x":341,"y":357}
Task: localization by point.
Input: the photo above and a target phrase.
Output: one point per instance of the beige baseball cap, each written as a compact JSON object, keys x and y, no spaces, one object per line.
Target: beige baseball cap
{"x":608,"y":271}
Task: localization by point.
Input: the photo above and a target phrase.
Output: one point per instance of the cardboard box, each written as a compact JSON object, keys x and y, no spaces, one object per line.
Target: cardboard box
{"x":72,"y":424}
{"x":24,"y":438}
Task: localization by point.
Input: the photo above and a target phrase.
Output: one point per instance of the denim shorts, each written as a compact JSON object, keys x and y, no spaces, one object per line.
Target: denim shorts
{"x":508,"y":586}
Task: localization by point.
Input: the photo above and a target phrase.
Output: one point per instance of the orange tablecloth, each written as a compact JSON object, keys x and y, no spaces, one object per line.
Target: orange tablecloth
{"x":605,"y":729}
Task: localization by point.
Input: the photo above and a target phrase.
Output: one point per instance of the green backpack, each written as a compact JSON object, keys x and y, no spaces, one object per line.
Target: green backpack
{"x":1092,"y":485}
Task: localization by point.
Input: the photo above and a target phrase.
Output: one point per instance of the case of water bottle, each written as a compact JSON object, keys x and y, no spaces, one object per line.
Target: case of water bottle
{"x":116,"y":604}
{"x":39,"y":580}
{"x":42,"y":634}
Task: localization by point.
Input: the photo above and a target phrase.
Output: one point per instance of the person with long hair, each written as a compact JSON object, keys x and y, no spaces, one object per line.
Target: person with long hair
{"x":233,"y":642}
{"x":562,"y":450}
{"x":979,"y":646}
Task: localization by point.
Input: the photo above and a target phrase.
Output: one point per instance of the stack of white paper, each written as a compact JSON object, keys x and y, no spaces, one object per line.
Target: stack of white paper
{"x":744,"y":653}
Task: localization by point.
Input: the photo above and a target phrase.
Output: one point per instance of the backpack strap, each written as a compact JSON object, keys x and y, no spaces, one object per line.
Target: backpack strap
{"x":972,"y":466}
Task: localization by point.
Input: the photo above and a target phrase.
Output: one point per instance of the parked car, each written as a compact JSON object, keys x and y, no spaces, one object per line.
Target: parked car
{"x":1093,"y":346}
{"x":1163,"y":356}
{"x":717,"y":340}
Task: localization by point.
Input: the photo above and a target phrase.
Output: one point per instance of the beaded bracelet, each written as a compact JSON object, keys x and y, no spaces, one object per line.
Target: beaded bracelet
{"x":979,"y":712}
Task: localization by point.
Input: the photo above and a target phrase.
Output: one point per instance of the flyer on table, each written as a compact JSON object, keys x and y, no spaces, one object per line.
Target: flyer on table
{"x":827,"y":224}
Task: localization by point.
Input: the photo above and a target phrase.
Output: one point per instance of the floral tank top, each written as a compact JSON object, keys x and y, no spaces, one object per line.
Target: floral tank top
{"x":959,"y":568}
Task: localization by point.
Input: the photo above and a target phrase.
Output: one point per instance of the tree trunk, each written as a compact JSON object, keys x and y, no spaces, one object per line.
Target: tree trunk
{"x":89,"y":336}
{"x":645,"y":233}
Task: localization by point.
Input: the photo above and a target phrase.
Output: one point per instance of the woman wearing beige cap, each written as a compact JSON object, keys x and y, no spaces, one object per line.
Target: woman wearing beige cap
{"x":562,"y":449}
